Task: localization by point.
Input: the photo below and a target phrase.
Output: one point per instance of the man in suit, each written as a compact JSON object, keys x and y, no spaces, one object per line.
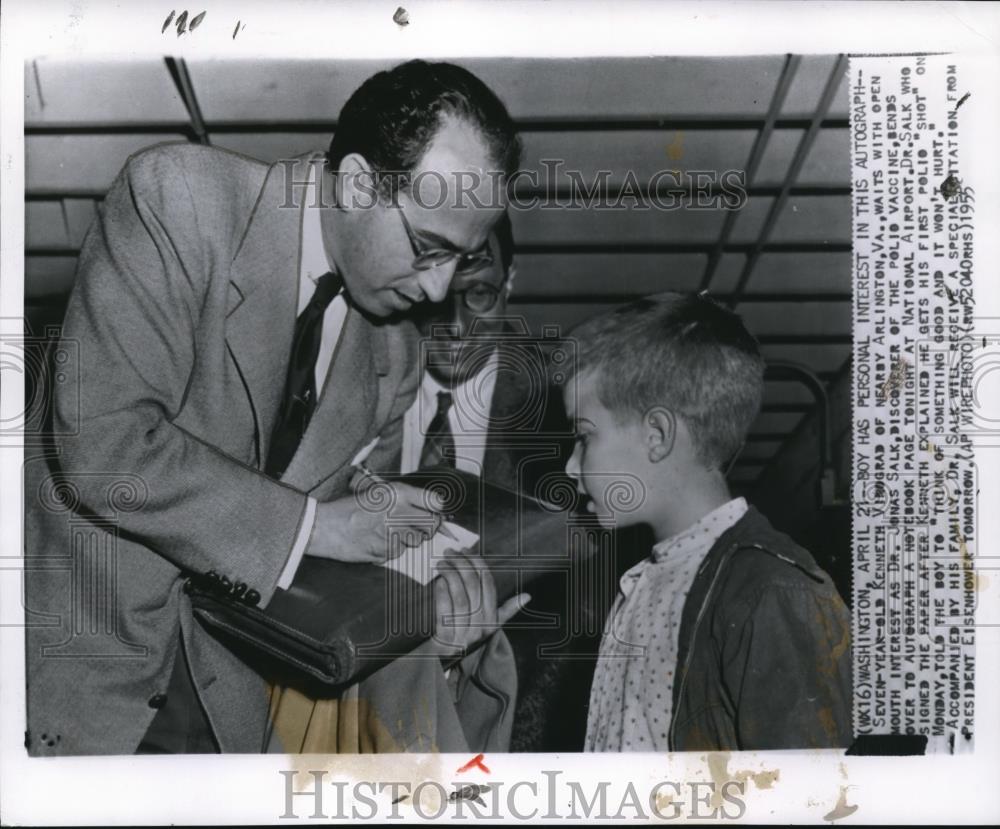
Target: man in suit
{"x":242,"y":343}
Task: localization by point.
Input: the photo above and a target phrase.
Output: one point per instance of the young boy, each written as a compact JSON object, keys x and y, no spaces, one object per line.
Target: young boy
{"x":728,"y":636}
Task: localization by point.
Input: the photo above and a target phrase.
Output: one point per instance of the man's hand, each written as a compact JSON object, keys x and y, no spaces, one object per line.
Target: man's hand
{"x":374,"y":525}
{"x":465,"y":599}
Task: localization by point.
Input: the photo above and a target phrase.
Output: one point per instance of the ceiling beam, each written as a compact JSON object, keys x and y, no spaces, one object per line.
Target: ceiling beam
{"x":801,"y":153}
{"x":177,"y":67}
{"x":328,"y":126}
{"x":788,"y":71}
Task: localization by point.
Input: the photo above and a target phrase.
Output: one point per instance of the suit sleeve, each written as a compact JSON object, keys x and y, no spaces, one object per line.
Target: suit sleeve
{"x":787,"y":670}
{"x":142,"y":282}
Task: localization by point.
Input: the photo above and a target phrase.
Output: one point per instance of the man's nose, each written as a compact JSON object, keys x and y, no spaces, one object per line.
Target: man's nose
{"x":434,"y":282}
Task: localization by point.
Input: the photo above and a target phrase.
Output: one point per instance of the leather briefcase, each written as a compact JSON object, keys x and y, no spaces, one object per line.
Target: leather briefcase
{"x":338,"y":622}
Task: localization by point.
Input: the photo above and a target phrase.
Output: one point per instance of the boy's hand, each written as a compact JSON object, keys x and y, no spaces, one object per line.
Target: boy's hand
{"x":466,"y":609}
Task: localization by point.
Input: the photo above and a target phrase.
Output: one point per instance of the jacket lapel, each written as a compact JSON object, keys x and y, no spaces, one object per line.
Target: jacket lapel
{"x":264,"y":297}
{"x":260,"y":324}
{"x":345,"y":412}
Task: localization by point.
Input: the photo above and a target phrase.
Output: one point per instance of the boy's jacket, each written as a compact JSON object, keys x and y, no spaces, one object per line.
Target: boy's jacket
{"x":765,"y":649}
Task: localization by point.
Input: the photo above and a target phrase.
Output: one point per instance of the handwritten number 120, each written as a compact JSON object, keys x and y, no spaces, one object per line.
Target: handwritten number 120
{"x":182,"y":22}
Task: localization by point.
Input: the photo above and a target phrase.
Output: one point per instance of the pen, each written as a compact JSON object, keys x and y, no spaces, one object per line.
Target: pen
{"x":369,"y":476}
{"x":373,"y":478}
{"x":447,"y":533}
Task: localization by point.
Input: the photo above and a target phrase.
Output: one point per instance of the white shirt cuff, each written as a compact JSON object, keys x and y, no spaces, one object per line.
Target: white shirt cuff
{"x":299,"y":549}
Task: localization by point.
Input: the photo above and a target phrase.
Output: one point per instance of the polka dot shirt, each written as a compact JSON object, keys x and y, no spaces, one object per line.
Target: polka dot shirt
{"x":631,"y":698}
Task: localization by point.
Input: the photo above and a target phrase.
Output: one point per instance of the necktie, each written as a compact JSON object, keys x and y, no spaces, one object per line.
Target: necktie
{"x":299,"y":398}
{"x":439,"y":445}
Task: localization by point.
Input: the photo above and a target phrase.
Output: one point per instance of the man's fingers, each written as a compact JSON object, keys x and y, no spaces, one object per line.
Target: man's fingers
{"x":458,"y":585}
{"x":396,"y":544}
{"x":448,"y":592}
{"x":477,"y":581}
{"x":489,"y":589}
{"x":419,"y":498}
{"x":412,"y":511}
{"x":510,"y":608}
{"x":416,"y":533}
{"x":443,"y":606}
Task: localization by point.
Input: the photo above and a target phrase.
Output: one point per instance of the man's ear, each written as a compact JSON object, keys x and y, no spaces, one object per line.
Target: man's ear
{"x":660,"y":430}
{"x":355,"y":183}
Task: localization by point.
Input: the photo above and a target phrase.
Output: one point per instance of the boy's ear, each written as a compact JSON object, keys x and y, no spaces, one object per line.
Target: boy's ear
{"x":660,"y":429}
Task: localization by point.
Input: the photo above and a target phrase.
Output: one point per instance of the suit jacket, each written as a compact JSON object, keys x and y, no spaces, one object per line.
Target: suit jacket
{"x":179,"y":329}
{"x":765,"y":649}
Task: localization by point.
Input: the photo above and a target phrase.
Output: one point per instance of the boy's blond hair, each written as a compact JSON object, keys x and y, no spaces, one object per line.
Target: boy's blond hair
{"x":684,"y":352}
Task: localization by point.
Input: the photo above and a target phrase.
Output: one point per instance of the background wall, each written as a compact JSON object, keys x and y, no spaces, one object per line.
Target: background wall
{"x":783,"y":261}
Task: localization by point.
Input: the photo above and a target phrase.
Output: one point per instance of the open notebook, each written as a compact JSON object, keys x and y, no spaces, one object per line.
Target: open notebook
{"x":420,"y":563}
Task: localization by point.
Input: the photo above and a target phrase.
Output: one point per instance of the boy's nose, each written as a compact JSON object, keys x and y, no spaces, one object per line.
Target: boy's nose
{"x":573,"y":464}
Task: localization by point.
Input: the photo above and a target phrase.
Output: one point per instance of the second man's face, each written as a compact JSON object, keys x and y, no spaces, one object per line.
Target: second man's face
{"x":461,"y":331}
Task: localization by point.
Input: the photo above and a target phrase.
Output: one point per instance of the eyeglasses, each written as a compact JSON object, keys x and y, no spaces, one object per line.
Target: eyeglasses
{"x":425,"y":258}
{"x":478,"y":298}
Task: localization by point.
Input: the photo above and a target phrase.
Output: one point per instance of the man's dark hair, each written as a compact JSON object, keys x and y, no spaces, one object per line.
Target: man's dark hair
{"x":684,"y":352}
{"x":393,"y":116}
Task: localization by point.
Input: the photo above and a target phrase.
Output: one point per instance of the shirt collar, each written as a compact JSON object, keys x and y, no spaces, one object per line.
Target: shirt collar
{"x":468,"y":397}
{"x":314,"y":262}
{"x":704,"y":533}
